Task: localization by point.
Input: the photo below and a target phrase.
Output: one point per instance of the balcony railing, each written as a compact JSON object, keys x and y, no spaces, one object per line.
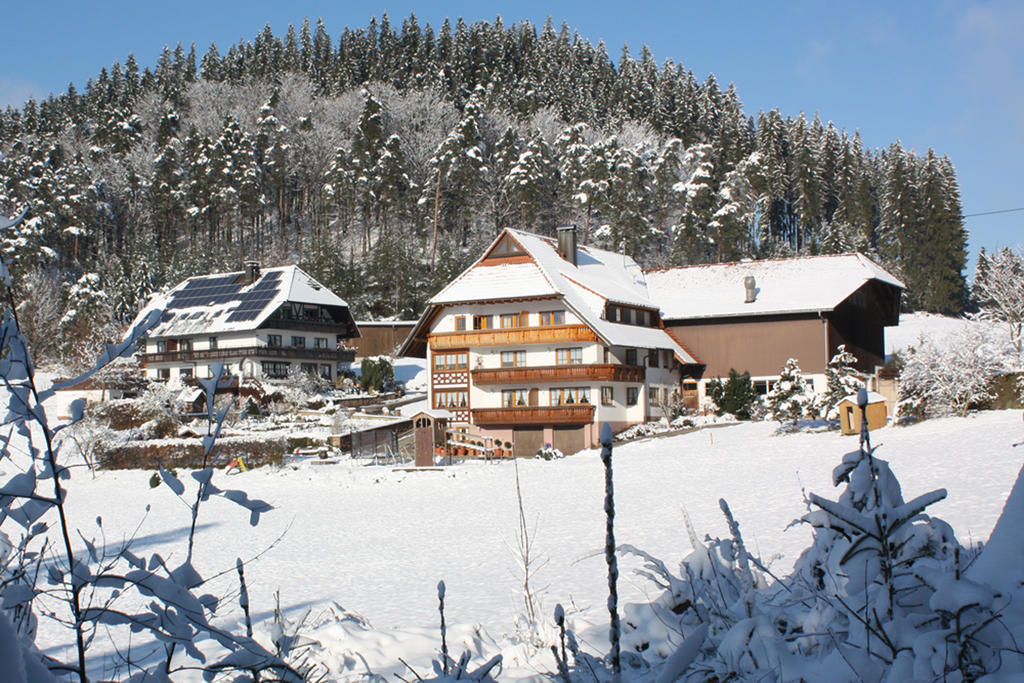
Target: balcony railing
{"x":231,"y":353}
{"x":534,"y":415}
{"x":513,"y":336}
{"x":603,"y":372}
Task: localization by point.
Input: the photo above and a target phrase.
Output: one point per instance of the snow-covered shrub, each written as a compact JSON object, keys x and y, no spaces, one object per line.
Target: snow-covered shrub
{"x":999,"y":291}
{"x":735,"y":396}
{"x":790,"y":396}
{"x":954,"y":373}
{"x":548,"y":452}
{"x":883,"y":593}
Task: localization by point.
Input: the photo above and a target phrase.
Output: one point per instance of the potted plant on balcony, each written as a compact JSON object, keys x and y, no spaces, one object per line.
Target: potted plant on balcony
{"x":496,"y":450}
{"x":508,"y":448}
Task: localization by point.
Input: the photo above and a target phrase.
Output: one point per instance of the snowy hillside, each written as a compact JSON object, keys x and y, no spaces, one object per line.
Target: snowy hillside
{"x":913,"y":325}
{"x":376,"y":540}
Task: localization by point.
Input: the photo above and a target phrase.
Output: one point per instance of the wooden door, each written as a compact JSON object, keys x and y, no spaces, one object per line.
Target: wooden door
{"x":570,"y":440}
{"x":424,"y":445}
{"x":526,"y":441}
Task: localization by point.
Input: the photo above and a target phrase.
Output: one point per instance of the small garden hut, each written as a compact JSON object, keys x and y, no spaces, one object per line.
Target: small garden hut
{"x":849,"y":413}
{"x":430,"y":428}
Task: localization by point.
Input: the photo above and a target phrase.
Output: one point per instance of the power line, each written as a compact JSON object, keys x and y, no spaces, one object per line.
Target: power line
{"x":989,"y":213}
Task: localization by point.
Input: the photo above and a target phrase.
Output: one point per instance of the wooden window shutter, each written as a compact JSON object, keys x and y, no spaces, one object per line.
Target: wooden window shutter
{"x":524,"y":319}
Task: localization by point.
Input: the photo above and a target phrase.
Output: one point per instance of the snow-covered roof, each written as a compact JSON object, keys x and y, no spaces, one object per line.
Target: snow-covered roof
{"x":598,"y":277}
{"x":226,"y":302}
{"x":384,"y":323}
{"x":796,"y":285}
{"x":873,"y":397}
{"x":436,"y":413}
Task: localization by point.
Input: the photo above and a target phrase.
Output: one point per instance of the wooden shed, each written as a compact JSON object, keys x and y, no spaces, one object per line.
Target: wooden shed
{"x":430,"y":427}
{"x":849,"y":413}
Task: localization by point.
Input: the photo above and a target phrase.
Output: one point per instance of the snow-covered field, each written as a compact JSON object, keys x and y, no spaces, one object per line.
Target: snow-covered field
{"x":377,"y":540}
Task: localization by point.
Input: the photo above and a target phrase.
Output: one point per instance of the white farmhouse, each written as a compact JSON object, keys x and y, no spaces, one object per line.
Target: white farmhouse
{"x":541,"y":340}
{"x":259,"y":323}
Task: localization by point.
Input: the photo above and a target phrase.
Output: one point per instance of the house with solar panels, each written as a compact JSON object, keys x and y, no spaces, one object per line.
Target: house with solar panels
{"x":260,"y":323}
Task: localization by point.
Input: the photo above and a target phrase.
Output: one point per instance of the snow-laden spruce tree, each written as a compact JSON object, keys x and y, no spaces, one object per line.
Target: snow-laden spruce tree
{"x":841,"y":380}
{"x":790,"y":396}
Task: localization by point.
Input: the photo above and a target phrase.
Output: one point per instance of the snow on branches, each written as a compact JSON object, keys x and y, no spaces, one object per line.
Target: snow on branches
{"x":954,"y":373}
{"x":999,"y":290}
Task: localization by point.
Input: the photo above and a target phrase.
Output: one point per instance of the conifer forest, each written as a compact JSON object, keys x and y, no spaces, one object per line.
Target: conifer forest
{"x":383,"y":159}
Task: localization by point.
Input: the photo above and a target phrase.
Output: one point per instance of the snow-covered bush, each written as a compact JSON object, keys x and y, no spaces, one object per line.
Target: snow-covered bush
{"x":999,"y":291}
{"x":954,"y":373}
{"x":548,"y":453}
{"x":883,"y":593}
{"x":790,"y":396}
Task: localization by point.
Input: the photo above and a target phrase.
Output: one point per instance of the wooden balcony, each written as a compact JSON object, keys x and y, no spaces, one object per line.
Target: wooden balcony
{"x":512,"y":336}
{"x":603,"y":372}
{"x":234,"y":353}
{"x":534,"y":415}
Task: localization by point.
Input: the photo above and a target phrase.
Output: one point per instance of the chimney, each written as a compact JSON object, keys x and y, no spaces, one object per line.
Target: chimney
{"x":567,"y":243}
{"x":750,"y":286}
{"x":252,"y":271}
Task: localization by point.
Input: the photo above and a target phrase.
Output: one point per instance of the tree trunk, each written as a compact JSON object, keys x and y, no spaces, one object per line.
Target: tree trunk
{"x":437,"y":206}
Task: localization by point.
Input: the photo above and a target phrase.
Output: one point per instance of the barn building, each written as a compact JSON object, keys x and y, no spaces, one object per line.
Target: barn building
{"x":754,"y":315}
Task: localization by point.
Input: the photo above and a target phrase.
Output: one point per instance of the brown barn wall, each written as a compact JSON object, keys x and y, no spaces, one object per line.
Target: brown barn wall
{"x":759,"y":347}
{"x":380,"y":340}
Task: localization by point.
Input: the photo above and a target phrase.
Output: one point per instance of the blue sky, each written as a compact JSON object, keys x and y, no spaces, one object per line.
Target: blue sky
{"x":945,"y":75}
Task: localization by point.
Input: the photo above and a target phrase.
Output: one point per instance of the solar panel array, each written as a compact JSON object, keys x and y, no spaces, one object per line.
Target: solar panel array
{"x":254,"y":301}
{"x":226,"y":289}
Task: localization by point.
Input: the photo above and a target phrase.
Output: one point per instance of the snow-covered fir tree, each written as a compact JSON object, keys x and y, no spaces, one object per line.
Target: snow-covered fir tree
{"x":790,"y":396}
